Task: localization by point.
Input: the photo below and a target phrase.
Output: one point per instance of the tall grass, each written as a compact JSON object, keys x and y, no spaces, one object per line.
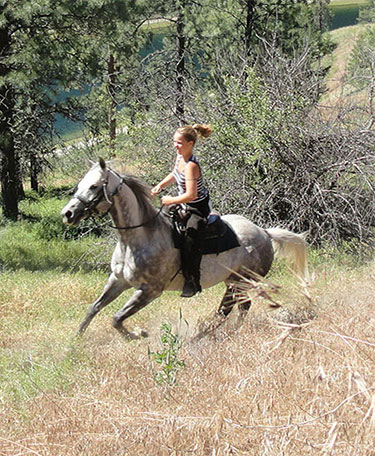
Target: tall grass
{"x":41,"y":242}
{"x":270,"y":387}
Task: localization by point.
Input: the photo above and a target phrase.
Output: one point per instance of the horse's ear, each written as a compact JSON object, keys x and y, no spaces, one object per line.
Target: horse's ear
{"x":102,"y":163}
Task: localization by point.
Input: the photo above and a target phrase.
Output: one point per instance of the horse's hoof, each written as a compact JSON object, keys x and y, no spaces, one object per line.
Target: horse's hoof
{"x":140,"y":333}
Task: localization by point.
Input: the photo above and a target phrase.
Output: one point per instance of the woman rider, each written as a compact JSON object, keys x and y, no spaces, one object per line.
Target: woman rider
{"x":193,"y":196}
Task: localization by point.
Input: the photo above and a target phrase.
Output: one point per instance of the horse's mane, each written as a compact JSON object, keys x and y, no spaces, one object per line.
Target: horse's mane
{"x":142,"y":192}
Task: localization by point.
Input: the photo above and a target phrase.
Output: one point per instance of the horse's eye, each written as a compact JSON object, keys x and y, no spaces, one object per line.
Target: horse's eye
{"x":93,"y":187}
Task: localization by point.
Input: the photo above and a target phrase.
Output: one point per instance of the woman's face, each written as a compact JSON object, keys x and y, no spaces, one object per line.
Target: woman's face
{"x":182,"y":146}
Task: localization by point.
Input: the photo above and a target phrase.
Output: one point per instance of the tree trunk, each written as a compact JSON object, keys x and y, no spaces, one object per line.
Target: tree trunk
{"x":9,"y":177}
{"x":180,"y":68}
{"x":250,"y":16}
{"x":34,"y":173}
{"x":113,"y":102}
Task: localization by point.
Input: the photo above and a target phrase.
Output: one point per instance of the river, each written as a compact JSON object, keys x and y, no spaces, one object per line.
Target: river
{"x":344,"y":15}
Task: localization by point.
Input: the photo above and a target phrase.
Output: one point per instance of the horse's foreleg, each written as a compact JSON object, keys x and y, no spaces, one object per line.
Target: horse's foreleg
{"x":113,"y":288}
{"x":139,"y":299}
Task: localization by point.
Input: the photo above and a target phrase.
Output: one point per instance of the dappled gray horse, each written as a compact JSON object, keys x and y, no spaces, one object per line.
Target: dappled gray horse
{"x":145,"y":257}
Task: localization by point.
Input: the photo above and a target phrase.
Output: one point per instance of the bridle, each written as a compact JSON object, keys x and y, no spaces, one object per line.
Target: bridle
{"x":91,"y":203}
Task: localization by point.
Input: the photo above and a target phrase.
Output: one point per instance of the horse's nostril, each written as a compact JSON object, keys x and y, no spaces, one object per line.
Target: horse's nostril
{"x":68,"y":215}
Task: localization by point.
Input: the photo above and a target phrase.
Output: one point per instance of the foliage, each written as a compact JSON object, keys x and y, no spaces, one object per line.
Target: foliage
{"x":147,"y":147}
{"x":168,"y":357}
{"x":207,"y":41}
{"x":361,"y":65}
{"x":367,"y":12}
{"x":243,"y":122}
{"x":47,"y":50}
{"x":274,"y":158}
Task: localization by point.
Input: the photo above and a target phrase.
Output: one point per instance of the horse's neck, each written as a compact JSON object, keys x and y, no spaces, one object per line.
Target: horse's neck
{"x":125,"y":210}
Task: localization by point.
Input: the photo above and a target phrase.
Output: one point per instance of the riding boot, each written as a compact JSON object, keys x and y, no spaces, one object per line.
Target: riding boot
{"x":190,"y":263}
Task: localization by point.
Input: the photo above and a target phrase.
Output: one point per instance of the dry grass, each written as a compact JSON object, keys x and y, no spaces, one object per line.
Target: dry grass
{"x":348,"y":2}
{"x":282,"y":384}
{"x":341,"y":96}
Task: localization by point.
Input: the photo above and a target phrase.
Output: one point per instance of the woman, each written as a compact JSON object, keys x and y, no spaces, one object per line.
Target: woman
{"x":193,"y":196}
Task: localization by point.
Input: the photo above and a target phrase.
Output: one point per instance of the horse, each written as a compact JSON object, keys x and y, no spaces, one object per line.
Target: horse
{"x":145,"y":257}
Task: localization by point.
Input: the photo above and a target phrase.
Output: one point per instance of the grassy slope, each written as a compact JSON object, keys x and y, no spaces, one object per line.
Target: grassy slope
{"x":348,"y":2}
{"x":341,"y":97}
{"x":266,"y":389}
{"x":337,"y":92}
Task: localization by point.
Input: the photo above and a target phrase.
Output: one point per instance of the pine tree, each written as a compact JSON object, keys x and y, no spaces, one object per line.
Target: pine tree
{"x":47,"y":46}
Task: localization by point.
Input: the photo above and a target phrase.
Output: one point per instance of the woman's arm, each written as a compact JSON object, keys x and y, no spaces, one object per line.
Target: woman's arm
{"x":192,"y":173}
{"x":168,"y":180}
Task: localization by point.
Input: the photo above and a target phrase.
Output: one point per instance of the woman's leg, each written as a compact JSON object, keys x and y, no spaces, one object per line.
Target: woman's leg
{"x":191,"y":256}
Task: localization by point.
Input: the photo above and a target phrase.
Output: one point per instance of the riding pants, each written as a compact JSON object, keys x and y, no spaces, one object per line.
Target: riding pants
{"x":190,"y":254}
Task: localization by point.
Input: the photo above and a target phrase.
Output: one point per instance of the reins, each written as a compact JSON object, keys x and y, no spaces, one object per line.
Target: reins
{"x":140,"y":225}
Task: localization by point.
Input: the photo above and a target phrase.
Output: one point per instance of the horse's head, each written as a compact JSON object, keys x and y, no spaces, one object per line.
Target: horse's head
{"x":93,"y":195}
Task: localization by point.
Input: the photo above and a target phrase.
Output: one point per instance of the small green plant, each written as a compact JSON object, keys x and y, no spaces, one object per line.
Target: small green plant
{"x":167,"y":358}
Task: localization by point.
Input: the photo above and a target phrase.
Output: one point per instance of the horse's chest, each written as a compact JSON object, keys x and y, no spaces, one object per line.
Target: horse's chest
{"x":142,"y":265}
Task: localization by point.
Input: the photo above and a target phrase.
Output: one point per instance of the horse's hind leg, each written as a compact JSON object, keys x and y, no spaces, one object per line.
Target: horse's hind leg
{"x":232,"y":297}
{"x":113,"y":288}
{"x":228,"y":301}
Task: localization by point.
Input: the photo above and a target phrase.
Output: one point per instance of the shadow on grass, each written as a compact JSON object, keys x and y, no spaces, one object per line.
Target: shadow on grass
{"x":39,"y":241}
{"x":22,"y":249}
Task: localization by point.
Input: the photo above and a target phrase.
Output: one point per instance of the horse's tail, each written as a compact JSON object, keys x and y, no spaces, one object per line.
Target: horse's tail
{"x":293,"y":247}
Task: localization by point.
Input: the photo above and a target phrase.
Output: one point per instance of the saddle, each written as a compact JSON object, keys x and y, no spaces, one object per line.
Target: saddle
{"x":216,"y":237}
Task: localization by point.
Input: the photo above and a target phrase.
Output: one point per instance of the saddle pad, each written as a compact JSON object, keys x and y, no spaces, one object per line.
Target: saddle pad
{"x":217,"y":237}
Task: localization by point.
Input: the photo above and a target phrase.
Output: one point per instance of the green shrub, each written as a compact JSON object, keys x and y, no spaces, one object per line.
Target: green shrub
{"x":167,"y":358}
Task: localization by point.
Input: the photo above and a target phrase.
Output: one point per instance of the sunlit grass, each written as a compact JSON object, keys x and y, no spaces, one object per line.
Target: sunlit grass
{"x":348,"y":2}
{"x":264,"y":385}
{"x":275,"y":385}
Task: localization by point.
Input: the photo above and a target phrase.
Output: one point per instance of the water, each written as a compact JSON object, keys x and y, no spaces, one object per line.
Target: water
{"x":64,"y":126}
{"x":154,"y":45}
{"x":343,"y":15}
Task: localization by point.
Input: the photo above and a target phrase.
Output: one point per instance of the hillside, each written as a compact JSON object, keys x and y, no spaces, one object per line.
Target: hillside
{"x":292,"y":381}
{"x":338,"y":92}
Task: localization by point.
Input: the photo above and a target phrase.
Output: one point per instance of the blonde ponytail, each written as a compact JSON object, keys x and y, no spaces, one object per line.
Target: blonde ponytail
{"x":191,"y":132}
{"x":203,"y":130}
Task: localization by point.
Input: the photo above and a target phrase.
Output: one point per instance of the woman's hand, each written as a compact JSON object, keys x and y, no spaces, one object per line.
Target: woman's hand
{"x":168,"y":200}
{"x":168,"y":180}
{"x":156,"y":190}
